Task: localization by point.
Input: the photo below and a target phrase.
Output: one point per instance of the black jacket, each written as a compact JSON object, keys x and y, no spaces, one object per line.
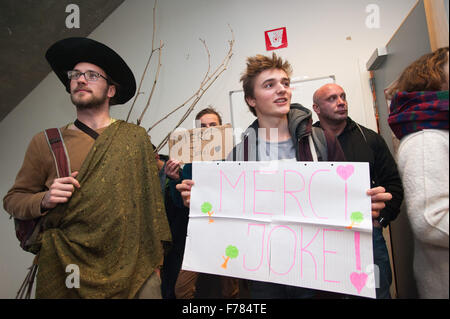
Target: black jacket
{"x":383,"y":169}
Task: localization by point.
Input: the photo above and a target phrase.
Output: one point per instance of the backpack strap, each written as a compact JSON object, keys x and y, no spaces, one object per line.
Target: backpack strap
{"x":86,"y":129}
{"x":59,"y":151}
{"x":320,"y":143}
{"x":27,"y":231}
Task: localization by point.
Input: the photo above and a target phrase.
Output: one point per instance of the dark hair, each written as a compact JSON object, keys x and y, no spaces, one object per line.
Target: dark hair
{"x":208,"y":110}
{"x":256,"y":65}
{"x":110,"y":81}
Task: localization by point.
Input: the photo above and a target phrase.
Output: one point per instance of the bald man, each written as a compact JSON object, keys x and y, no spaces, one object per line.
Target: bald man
{"x":361,"y":144}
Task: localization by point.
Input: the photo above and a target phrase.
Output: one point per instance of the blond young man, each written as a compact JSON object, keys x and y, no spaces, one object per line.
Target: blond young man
{"x":267,"y":92}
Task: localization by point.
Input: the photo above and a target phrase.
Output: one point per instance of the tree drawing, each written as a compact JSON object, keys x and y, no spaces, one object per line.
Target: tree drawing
{"x":356,"y":218}
{"x":231,"y":252}
{"x":207,"y":209}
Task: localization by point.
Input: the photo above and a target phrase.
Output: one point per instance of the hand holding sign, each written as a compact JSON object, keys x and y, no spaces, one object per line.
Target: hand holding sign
{"x":378,"y":197}
{"x":185,"y":190}
{"x":172,"y":169}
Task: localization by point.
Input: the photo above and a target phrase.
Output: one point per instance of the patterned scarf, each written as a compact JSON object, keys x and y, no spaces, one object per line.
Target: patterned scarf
{"x":300,"y":127}
{"x":412,"y":112}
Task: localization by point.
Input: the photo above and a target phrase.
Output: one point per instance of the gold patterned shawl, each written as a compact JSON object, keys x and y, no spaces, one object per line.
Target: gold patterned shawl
{"x":114,"y":224}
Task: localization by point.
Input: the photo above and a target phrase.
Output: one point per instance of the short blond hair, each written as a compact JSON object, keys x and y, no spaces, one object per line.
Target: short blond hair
{"x":257,"y":64}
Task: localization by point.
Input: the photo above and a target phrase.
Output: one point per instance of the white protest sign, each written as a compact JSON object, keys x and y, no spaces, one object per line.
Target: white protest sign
{"x":305,"y":224}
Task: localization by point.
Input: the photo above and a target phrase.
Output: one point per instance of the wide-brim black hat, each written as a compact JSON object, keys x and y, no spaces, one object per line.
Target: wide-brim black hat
{"x":65,"y":54}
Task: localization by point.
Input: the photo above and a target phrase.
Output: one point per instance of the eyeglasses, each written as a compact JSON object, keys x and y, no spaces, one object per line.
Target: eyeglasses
{"x":90,"y":76}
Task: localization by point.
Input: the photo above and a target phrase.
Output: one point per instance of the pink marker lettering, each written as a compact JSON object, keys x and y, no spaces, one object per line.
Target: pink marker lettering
{"x":345,"y":172}
{"x":310,"y":182}
{"x":357,"y":250}
{"x":262,"y":247}
{"x":291,"y":192}
{"x":269,"y":254}
{"x":303,"y":250}
{"x":346,"y":200}
{"x":233,"y":186}
{"x":327,"y":252}
{"x":260,"y":190}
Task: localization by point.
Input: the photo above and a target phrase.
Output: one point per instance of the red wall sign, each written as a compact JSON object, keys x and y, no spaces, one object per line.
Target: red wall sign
{"x":276,"y":39}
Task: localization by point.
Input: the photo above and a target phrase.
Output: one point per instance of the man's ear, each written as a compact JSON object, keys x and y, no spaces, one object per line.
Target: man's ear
{"x":111,"y":91}
{"x":251,"y":101}
{"x":316,"y":108}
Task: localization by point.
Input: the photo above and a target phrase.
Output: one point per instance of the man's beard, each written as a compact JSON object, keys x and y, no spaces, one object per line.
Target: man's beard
{"x":94,"y":102}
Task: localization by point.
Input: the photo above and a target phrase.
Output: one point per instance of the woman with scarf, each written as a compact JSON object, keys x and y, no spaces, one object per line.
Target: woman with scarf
{"x":419,"y":119}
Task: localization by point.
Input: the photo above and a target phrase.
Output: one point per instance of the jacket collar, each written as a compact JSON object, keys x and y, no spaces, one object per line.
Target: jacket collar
{"x":351,"y":125}
{"x":299,"y":119}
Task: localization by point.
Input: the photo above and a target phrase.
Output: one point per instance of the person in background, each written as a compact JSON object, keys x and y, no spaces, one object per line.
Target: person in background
{"x":208,"y":117}
{"x":187,"y":282}
{"x":361,"y":144}
{"x":419,"y":119}
{"x":172,"y":256}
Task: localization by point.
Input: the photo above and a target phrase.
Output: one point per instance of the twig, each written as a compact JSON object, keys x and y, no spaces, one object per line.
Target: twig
{"x":153,"y":86}
{"x":154,"y":25}
{"x":204,"y":86}
{"x":209,"y":62}
{"x":193,"y":96}
{"x":148,"y":62}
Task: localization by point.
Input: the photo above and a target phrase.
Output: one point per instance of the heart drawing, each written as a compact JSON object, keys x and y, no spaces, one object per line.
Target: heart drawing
{"x":358,"y":280}
{"x":345,"y":171}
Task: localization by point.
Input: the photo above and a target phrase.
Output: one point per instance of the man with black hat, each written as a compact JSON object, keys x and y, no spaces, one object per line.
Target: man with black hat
{"x":108,"y":217}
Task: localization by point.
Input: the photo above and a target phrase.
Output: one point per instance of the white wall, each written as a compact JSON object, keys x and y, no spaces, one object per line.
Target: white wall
{"x":317,"y":32}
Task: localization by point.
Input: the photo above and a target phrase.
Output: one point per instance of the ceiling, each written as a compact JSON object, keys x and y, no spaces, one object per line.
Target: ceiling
{"x":27,"y":29}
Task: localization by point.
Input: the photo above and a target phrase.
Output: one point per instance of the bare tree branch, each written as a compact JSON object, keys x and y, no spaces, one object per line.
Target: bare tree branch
{"x":191,"y":97}
{"x":148,"y":62}
{"x":153,"y":86}
{"x":207,"y":82}
{"x":209,"y":62}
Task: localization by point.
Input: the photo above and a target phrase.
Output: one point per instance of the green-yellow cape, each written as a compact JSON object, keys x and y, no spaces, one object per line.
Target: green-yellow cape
{"x":113,"y":226}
